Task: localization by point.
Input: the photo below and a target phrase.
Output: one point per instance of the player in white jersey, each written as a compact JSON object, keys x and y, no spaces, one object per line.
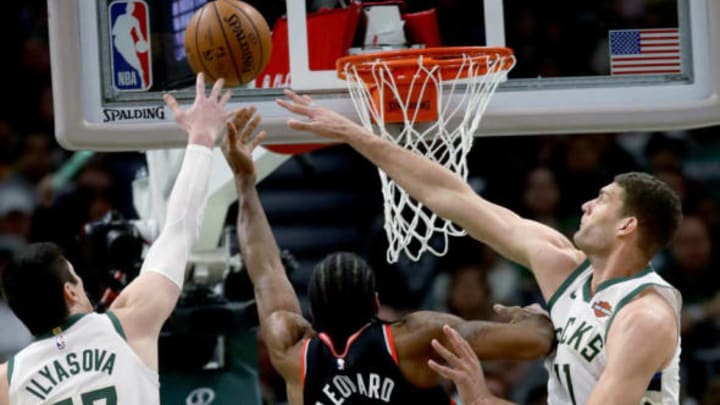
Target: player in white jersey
{"x":612,"y":359}
{"x":80,"y":357}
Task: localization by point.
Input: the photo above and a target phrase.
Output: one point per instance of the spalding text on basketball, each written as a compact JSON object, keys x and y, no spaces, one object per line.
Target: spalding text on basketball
{"x":237,"y":28}
{"x":131,"y":114}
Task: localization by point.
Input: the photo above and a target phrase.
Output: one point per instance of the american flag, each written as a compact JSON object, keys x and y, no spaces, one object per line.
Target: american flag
{"x":643,"y":52}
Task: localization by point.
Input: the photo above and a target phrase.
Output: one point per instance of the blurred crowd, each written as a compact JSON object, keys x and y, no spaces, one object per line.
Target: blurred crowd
{"x":545,"y":178}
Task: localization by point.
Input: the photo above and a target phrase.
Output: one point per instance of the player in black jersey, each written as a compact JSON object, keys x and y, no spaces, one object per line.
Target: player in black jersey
{"x":347,"y":356}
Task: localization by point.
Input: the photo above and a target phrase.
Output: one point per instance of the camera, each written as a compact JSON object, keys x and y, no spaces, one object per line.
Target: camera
{"x":114,"y":249}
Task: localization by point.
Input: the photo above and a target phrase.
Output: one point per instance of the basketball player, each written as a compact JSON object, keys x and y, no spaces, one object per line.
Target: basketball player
{"x":79,"y":356}
{"x":124,"y":42}
{"x":616,"y":320}
{"x":346,"y":356}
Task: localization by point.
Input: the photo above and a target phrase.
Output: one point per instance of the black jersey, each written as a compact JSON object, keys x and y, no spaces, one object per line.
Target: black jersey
{"x":367,"y":372}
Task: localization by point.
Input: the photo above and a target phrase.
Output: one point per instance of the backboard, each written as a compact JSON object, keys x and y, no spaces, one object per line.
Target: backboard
{"x":606,"y":65}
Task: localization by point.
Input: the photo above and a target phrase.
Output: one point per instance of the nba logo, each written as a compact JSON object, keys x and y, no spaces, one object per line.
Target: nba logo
{"x":130,"y":43}
{"x":60,"y":342}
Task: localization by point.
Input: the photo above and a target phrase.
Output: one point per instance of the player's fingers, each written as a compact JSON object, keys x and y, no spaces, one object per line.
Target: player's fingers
{"x":461,"y":346}
{"x":200,"y":86}
{"x":295,"y":108}
{"x":446,"y":354}
{"x":225,"y":145}
{"x":216,"y":89}
{"x":242,"y":119}
{"x":231,"y":135}
{"x":506,"y":312}
{"x":258,"y":140}
{"x":536,"y":308}
{"x":171,"y":103}
{"x":300,"y":126}
{"x":302,"y":100}
{"x":444,"y":371}
{"x":230,"y":115}
{"x":225,"y":97}
{"x":250,"y":128}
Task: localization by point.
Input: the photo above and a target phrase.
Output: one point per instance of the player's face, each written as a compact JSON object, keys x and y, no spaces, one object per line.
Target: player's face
{"x":600,"y":220}
{"x":83,"y":304}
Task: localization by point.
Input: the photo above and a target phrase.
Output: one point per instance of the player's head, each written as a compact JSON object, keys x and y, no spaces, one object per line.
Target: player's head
{"x":42,"y":288}
{"x":635,"y":206}
{"x":130,"y":7}
{"x":342,"y":294}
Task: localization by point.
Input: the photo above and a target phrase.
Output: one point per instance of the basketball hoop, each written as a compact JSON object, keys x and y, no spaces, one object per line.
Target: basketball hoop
{"x":429,"y":101}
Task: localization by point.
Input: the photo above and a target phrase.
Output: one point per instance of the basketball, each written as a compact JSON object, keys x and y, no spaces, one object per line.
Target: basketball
{"x":228,"y":39}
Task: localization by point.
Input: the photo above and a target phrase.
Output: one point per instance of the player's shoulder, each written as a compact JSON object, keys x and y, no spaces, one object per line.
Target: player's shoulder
{"x":645,"y":328}
{"x":284,"y":334}
{"x":287,"y":319}
{"x":648,"y":312}
{"x":283,"y":330}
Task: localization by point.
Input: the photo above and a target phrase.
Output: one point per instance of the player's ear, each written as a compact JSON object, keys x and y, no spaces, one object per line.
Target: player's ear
{"x":627,"y":225}
{"x":71,"y":297}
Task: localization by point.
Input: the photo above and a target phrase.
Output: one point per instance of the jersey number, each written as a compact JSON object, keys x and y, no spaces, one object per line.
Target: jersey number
{"x":108,"y":394}
{"x":568,"y":379}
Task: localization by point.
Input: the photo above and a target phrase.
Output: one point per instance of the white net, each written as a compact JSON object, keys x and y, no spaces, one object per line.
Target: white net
{"x":461,"y":101}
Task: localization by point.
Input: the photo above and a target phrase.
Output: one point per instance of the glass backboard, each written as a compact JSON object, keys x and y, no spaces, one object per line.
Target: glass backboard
{"x":605,"y":65}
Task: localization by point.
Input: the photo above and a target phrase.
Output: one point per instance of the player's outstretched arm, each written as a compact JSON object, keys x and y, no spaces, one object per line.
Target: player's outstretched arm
{"x":641,"y":341}
{"x":463,"y":368}
{"x":547,"y":252}
{"x":146,"y":303}
{"x":273,"y":291}
{"x":528,"y":335}
{"x":281,"y":323}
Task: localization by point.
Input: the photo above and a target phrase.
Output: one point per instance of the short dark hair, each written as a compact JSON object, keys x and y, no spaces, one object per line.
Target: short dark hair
{"x":655,"y":205}
{"x":34,"y":281}
{"x":342,"y":295}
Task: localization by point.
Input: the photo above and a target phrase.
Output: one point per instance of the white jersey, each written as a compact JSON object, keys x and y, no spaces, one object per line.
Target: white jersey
{"x":84,"y":360}
{"x":581,"y":323}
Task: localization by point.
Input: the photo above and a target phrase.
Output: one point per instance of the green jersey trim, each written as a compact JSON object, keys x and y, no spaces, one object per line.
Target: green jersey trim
{"x":587,"y":293}
{"x":565,"y":284}
{"x":10,"y":365}
{"x":67,"y":324}
{"x":116,"y":324}
{"x":625,"y":300}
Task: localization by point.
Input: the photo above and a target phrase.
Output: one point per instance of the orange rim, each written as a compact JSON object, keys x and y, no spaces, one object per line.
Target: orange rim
{"x":403,"y":63}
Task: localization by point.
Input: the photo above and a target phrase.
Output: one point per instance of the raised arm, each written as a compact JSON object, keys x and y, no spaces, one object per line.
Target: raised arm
{"x":281,"y":323}
{"x":146,"y":303}
{"x":547,"y":252}
{"x":641,"y":341}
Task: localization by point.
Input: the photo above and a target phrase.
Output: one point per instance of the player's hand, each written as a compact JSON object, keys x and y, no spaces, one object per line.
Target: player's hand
{"x":238,"y":145}
{"x":463,"y":368}
{"x":322,"y":121}
{"x":532,"y":316}
{"x":205,"y":120}
{"x":517,"y":314}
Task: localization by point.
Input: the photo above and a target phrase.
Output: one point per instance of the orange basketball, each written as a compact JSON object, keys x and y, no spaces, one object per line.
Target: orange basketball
{"x":228,"y":39}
